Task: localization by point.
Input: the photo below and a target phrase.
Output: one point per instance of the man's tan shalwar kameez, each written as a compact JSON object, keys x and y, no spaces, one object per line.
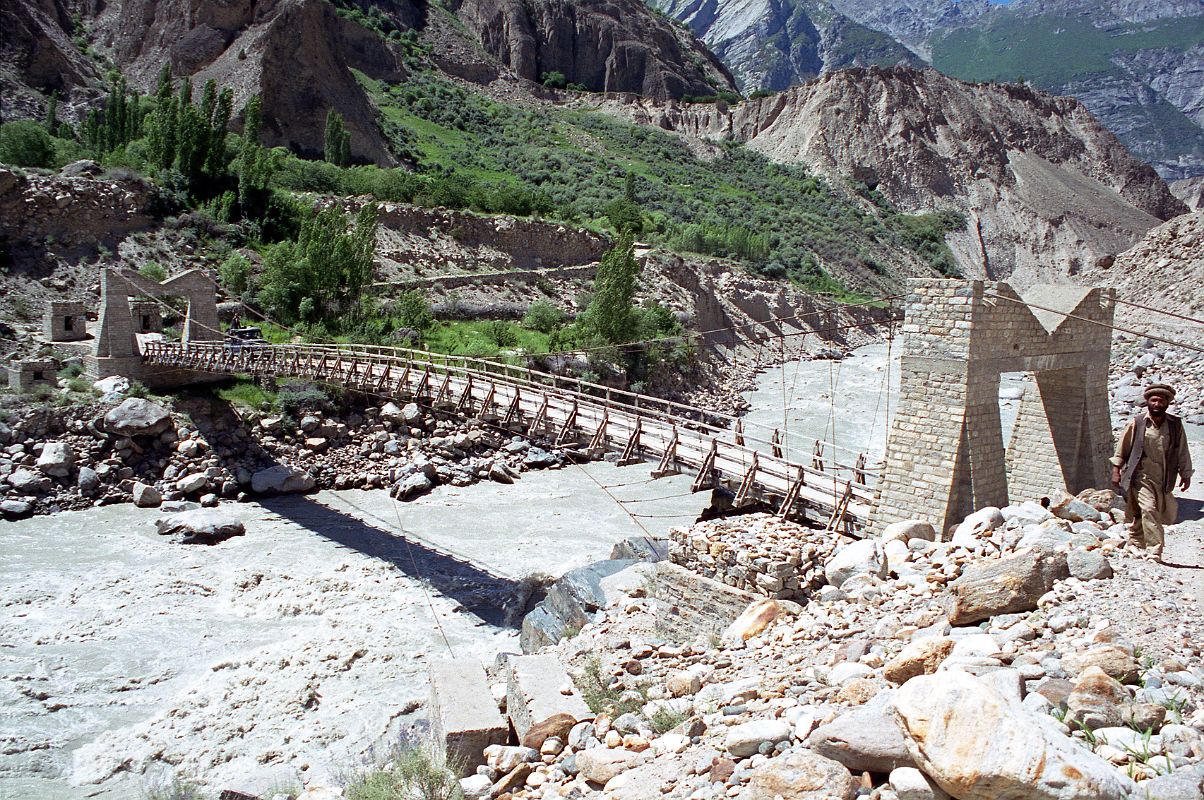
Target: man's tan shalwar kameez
{"x":1149,"y":467}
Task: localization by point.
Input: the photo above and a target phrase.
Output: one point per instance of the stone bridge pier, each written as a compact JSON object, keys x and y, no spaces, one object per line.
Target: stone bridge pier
{"x":116,"y":350}
{"x":945,"y":455}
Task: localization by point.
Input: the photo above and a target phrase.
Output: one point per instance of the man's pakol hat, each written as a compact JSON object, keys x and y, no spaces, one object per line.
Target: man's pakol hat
{"x":1163,"y":389}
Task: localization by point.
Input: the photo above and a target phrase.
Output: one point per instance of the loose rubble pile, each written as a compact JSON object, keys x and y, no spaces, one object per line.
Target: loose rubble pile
{"x":1138,"y":362}
{"x":1030,"y":656}
{"x":130,"y":449}
{"x":770,"y":561}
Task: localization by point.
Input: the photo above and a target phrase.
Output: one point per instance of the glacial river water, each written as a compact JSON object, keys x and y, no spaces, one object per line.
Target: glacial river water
{"x":295,"y":651}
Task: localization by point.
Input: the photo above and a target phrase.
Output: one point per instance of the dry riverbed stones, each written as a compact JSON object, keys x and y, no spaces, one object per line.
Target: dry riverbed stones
{"x":1053,"y":690}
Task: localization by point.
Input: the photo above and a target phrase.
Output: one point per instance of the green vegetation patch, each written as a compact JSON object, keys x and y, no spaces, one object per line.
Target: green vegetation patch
{"x":589,"y":168}
{"x":1051,"y":50}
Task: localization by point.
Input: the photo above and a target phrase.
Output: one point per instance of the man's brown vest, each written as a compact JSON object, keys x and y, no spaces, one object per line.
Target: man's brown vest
{"x":1175,"y":442}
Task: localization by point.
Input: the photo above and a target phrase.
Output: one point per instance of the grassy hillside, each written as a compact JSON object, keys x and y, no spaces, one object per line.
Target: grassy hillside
{"x":780,"y":220}
{"x":1051,"y":51}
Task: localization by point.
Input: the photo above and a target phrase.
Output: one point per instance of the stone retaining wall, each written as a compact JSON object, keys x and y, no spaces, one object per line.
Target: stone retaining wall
{"x":757,"y":553}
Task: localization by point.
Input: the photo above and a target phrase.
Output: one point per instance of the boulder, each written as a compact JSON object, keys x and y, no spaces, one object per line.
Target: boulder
{"x":919,"y":657}
{"x":753,"y":620}
{"x":113,"y":385}
{"x":909,"y":783}
{"x":146,"y":496}
{"x":191,"y":484}
{"x":864,"y":557}
{"x":281,"y":479}
{"x":800,"y":775}
{"x":56,"y":459}
{"x":978,"y":745}
{"x":137,"y":417}
{"x":412,"y":486}
{"x":202,"y":526}
{"x":746,"y":739}
{"x":87,"y":480}
{"x":1088,"y":565}
{"x":907,"y":530}
{"x":26,"y":480}
{"x":411,"y":414}
{"x":977,"y":526}
{"x":1073,"y":509}
{"x":865,"y":739}
{"x":1116,"y":662}
{"x":1096,"y":701}
{"x":538,"y":689}
{"x":600,"y":764}
{"x":1183,"y":784}
{"x":571,"y":603}
{"x":464,"y":719}
{"x":1004,"y":586}
{"x":13,"y":509}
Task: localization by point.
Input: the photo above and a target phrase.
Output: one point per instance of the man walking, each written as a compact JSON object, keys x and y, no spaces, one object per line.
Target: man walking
{"x":1152,"y":452}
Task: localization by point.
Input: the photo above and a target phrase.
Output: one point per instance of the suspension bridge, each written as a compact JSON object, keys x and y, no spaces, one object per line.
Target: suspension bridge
{"x":572,"y":413}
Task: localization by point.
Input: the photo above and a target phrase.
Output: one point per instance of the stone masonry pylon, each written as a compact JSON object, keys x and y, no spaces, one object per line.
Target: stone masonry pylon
{"x":945,"y":455}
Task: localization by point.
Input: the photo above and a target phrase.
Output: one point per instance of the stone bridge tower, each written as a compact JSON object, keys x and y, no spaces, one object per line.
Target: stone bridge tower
{"x":945,"y":456}
{"x":116,"y":352}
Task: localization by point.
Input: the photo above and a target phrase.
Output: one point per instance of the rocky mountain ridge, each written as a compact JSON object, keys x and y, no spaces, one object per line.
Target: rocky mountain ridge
{"x":302,"y":57}
{"x":1139,"y":67}
{"x":1046,"y":189}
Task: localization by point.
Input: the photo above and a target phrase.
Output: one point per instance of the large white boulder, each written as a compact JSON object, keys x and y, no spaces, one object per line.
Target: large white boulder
{"x":977,"y":744}
{"x":56,"y":459}
{"x":281,"y":479}
{"x":864,"y":557}
{"x":977,"y":526}
{"x":137,"y":417}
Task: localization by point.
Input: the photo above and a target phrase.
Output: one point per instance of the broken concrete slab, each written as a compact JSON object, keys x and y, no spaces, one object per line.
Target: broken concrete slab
{"x":464,"y":718}
{"x":537,"y":689}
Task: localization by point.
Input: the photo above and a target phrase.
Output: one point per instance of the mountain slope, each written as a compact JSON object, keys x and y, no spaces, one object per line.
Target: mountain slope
{"x":302,"y":56}
{"x":1046,"y":189}
{"x":772,"y":44}
{"x":1137,"y":65}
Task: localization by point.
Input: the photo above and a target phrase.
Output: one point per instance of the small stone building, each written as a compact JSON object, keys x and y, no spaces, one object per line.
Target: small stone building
{"x":64,"y":321}
{"x":147,"y":316}
{"x":24,"y":375}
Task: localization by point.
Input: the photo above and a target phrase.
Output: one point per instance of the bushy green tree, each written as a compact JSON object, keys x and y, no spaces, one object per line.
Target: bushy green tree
{"x":337,"y":140}
{"x":255,"y":164}
{"x":25,"y":143}
{"x":187,"y":137}
{"x":235,"y":273}
{"x":153,"y":271}
{"x":320,"y":276}
{"x":610,"y":314}
{"x":116,"y":123}
{"x":413,"y":311}
{"x":543,"y":316}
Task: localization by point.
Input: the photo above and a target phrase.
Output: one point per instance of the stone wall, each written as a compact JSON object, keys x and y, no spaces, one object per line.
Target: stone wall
{"x":945,"y":455}
{"x":695,"y":606}
{"x":495,"y":278}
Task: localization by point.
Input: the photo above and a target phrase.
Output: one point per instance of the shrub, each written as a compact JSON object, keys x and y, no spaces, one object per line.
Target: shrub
{"x":553,"y":80}
{"x":544,"y":317}
{"x":413,"y":311}
{"x":297,"y":397}
{"x":153,"y":272}
{"x":25,"y":143}
{"x":173,"y":789}
{"x":409,"y":773}
{"x":234,"y":272}
{"x":501,"y":333}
